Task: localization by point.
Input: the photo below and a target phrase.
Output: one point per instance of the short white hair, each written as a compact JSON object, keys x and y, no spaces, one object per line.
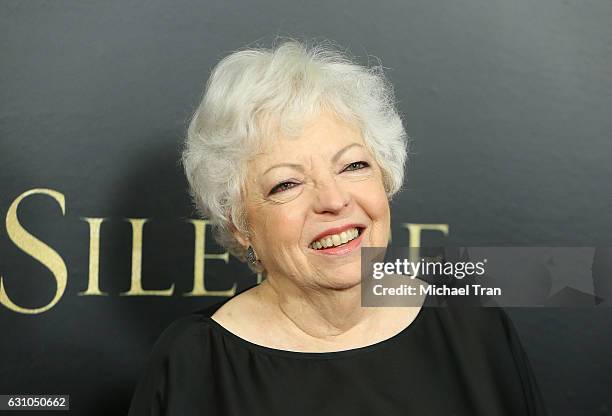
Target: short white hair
{"x":291,"y":82}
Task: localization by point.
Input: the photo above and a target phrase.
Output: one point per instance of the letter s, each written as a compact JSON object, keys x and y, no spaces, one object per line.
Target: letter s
{"x":37,"y":249}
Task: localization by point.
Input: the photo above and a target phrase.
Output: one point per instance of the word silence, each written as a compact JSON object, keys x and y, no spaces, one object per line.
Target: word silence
{"x":56,"y":264}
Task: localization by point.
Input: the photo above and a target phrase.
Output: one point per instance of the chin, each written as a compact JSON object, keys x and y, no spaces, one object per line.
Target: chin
{"x":344,"y":282}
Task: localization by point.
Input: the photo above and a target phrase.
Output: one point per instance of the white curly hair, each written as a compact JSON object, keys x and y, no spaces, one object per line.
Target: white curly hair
{"x":291,"y":82}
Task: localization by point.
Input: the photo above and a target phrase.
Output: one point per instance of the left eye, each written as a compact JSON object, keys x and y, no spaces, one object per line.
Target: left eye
{"x":357,"y":165}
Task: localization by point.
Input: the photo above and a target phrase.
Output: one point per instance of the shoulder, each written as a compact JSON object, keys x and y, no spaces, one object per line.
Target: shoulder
{"x":173,"y":357}
{"x":182,"y":334}
{"x":485,"y":346}
{"x":485,"y":326}
{"x":187,"y":332}
{"x":239,"y":313}
{"x":486,"y":338}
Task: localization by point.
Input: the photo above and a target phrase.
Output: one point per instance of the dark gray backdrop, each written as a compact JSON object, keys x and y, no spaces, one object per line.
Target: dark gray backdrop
{"x":508,"y":103}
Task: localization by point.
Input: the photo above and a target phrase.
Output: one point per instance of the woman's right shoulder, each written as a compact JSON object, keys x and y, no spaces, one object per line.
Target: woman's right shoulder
{"x":177,"y":335}
{"x":179,"y":353}
{"x":185,"y":331}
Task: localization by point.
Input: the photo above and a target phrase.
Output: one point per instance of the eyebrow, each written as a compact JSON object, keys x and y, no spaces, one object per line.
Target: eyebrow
{"x":299,"y":167}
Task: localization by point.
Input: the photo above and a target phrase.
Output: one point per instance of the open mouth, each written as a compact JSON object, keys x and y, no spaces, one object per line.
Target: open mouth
{"x":337,"y":240}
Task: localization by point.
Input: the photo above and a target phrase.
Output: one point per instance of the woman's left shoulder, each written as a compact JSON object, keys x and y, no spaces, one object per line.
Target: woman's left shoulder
{"x":485,"y":324}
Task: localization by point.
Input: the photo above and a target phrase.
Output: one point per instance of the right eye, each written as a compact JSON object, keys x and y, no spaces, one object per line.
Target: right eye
{"x":281,"y":187}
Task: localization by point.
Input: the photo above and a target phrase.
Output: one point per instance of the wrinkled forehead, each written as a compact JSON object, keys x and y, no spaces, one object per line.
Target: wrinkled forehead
{"x":321,"y":135}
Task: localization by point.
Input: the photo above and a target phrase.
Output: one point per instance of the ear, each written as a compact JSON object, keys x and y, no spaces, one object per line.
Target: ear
{"x":242,"y":239}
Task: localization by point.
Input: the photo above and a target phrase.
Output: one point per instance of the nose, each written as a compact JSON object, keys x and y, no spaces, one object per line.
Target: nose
{"x":330,"y":196}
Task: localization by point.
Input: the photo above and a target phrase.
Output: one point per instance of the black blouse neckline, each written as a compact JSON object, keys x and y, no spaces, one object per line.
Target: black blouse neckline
{"x":414,"y":326}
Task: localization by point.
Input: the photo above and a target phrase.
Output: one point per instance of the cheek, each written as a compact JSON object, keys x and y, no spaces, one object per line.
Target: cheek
{"x":373,"y":197}
{"x":377,"y":206}
{"x":280,"y":230}
{"x":280,"y":226}
{"x":374,"y":203}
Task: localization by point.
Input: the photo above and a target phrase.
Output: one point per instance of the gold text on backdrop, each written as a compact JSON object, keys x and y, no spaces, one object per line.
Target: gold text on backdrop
{"x":53,"y":261}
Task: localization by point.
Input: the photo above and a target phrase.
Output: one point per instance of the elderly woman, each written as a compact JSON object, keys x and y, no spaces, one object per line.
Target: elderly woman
{"x":294,"y":154}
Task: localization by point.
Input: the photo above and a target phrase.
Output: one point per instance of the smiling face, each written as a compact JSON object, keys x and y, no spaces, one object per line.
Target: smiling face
{"x":304,"y":188}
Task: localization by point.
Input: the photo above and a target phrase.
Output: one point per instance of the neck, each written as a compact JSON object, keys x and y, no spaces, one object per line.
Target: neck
{"x":317,"y":312}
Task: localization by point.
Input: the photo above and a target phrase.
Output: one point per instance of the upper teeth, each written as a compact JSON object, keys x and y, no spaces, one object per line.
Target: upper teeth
{"x":335,"y":239}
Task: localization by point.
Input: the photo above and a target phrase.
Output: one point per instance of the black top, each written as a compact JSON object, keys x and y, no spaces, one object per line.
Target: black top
{"x":448,"y":361}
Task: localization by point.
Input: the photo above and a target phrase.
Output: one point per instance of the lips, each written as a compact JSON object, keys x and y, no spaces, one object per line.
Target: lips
{"x":338,"y":230}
